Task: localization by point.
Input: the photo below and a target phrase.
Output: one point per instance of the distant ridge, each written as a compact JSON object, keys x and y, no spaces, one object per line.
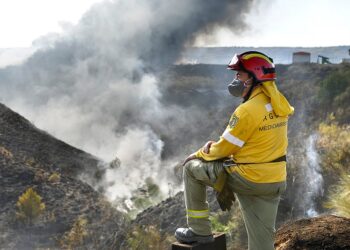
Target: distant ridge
{"x":281,"y":55}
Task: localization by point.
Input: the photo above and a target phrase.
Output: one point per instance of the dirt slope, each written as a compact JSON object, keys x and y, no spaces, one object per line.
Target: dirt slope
{"x":325,"y":232}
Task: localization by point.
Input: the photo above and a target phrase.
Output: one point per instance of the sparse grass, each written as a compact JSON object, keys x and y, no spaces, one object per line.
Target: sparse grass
{"x":30,"y":161}
{"x":147,"y":195}
{"x":334,"y":146}
{"x":220,"y":222}
{"x":339,"y":197}
{"x":232,"y":224}
{"x":147,"y":238}
{"x":54,"y":177}
{"x":29,"y":206}
{"x":75,"y":237}
{"x":6,"y":153}
{"x":40,"y":175}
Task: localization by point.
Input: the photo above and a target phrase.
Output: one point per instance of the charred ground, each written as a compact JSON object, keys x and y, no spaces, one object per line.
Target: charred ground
{"x":29,"y":158}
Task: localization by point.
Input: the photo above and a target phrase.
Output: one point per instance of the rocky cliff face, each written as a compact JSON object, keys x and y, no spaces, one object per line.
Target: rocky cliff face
{"x":30,"y":158}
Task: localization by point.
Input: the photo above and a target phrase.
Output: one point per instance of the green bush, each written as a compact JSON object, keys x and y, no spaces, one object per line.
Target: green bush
{"x":334,"y":85}
{"x":334,"y":94}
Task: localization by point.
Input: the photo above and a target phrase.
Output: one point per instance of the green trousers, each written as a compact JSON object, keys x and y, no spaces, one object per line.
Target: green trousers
{"x":258,"y":202}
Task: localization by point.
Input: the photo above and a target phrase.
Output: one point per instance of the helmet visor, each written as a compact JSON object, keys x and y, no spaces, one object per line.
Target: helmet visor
{"x":234,"y":63}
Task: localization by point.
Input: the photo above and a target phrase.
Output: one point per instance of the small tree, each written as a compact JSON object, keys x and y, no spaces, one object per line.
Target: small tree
{"x":29,"y":206}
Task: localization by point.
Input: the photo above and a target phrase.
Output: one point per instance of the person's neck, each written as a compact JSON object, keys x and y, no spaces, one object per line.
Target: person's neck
{"x":252,"y":92}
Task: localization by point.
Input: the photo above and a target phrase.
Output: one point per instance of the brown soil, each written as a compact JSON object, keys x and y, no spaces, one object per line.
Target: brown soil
{"x":325,"y":232}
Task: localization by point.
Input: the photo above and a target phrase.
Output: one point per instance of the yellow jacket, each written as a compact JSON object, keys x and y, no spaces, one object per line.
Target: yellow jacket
{"x":255,"y":134}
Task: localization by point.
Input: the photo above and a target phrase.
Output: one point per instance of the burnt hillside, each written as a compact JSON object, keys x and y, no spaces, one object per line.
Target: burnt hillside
{"x":27,"y":142}
{"x":31,"y":158}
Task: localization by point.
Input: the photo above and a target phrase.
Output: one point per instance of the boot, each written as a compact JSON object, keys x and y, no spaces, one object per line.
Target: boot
{"x":186,"y":235}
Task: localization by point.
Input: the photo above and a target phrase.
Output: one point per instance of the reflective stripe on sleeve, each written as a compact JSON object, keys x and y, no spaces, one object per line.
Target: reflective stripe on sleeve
{"x":198,"y":213}
{"x":232,"y":139}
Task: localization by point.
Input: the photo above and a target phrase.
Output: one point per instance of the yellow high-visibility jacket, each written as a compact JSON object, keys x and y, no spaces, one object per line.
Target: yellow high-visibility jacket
{"x":255,"y":134}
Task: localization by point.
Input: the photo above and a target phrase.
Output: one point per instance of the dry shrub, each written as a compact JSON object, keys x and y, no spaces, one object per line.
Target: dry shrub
{"x":334,"y":146}
{"x":54,"y":178}
{"x":30,"y":162}
{"x":339,"y":197}
{"x":147,"y":238}
{"x":29,"y":206}
{"x":232,"y":224}
{"x":40,"y":175}
{"x":75,"y":237}
{"x":6,"y":153}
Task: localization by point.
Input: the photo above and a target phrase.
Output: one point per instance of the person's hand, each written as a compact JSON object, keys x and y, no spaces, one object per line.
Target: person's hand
{"x":206,"y":147}
{"x":190,"y":157}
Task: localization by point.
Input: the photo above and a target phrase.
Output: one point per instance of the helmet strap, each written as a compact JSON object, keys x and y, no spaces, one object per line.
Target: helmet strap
{"x":255,"y":83}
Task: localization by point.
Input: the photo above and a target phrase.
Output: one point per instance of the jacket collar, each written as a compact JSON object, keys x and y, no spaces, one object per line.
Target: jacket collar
{"x":256,"y":91}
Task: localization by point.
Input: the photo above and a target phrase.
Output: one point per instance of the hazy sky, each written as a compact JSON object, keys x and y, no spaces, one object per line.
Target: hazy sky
{"x":272,"y":23}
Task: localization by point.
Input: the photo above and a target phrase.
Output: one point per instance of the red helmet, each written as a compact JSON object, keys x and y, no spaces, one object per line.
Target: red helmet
{"x":258,"y":64}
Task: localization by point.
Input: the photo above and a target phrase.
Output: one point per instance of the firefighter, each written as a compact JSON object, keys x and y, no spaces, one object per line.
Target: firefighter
{"x":248,"y":162}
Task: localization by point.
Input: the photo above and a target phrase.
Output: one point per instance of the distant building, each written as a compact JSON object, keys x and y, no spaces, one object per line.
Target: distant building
{"x":301,"y":57}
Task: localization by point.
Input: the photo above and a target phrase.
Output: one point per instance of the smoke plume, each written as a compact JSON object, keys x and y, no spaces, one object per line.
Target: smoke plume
{"x":96,"y":85}
{"x":313,"y":177}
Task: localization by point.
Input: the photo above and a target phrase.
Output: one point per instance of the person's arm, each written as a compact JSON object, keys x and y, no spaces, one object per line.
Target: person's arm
{"x":232,"y":140}
{"x":218,"y":150}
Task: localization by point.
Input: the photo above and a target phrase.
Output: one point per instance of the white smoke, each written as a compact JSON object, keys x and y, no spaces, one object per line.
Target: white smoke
{"x":96,"y":86}
{"x":137,"y":149}
{"x":14,"y":56}
{"x":92,"y":126}
{"x":313,"y":177}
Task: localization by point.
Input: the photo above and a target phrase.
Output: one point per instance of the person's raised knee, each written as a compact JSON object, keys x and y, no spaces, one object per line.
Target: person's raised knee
{"x":188,"y":167}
